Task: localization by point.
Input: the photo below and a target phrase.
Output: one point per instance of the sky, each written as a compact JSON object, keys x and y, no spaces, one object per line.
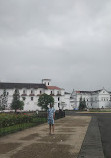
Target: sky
{"x":68,"y":41}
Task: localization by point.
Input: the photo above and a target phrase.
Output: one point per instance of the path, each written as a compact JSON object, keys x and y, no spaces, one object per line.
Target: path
{"x":37,"y":143}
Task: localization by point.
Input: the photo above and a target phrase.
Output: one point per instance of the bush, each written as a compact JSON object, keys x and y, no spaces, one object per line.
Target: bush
{"x":10,"y":123}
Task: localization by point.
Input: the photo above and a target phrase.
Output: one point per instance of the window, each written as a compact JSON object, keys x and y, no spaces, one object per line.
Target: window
{"x":23,"y":91}
{"x":58,"y":105}
{"x":23,"y":98}
{"x":51,"y":92}
{"x":7,"y":93}
{"x":48,"y":83}
{"x":58,"y":98}
{"x":40,"y":92}
{"x":31,"y":98}
{"x":57,"y":92}
{"x":31,"y":91}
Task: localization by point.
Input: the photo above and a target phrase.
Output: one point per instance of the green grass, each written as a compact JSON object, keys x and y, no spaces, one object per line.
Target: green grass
{"x":99,"y":110}
{"x":19,"y":127}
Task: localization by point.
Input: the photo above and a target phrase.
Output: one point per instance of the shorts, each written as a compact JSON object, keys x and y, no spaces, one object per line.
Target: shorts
{"x":50,"y":121}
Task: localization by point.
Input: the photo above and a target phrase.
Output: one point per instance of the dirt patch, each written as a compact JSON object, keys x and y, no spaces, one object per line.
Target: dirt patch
{"x":67,"y":130}
{"x":74,"y":125}
{"x":6,"y":147}
{"x":30,"y":137}
{"x":42,"y":151}
{"x":55,"y":138}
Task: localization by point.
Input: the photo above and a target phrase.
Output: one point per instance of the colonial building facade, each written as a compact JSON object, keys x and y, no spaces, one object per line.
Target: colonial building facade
{"x":94,"y":99}
{"x":30,"y":93}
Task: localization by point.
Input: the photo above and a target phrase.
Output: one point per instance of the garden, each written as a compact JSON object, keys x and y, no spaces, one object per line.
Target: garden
{"x":13,"y":122}
{"x":10,"y":123}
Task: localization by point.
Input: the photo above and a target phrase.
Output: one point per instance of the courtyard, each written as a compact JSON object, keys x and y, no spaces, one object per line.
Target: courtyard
{"x":37,"y":143}
{"x":78,"y":135}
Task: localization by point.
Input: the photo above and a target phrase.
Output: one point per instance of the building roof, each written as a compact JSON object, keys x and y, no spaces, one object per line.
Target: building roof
{"x":53,"y":87}
{"x":5,"y":85}
{"x":97,"y":91}
{"x":67,"y":93}
{"x":83,"y":91}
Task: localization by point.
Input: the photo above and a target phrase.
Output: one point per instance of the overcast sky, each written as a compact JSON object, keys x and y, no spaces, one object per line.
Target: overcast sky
{"x":68,"y":41}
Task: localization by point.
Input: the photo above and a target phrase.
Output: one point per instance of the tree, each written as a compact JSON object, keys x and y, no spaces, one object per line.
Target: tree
{"x":44,"y":100}
{"x":82,"y":104}
{"x":3,"y":100}
{"x":16,"y":103}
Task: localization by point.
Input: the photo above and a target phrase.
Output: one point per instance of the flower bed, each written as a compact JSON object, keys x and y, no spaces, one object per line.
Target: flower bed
{"x":10,"y":123}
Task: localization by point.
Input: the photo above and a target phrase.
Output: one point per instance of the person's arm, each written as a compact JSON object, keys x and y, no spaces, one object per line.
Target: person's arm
{"x":54,"y":114}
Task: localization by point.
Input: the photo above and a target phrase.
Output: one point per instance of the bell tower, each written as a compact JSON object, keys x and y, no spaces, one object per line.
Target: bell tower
{"x":47,"y":82}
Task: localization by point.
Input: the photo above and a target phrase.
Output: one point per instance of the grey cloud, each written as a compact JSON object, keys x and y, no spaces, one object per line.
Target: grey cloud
{"x":68,"y":41}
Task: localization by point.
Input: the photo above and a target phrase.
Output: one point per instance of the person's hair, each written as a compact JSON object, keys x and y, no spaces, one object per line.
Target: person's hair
{"x":51,"y":104}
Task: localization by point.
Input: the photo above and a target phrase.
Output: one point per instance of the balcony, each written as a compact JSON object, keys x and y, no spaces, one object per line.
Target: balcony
{"x":32,"y":94}
{"x":52,"y":94}
{"x":24,"y":94}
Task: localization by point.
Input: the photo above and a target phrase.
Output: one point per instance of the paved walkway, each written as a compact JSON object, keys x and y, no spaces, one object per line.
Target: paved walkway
{"x":37,"y":143}
{"x":92,"y":146}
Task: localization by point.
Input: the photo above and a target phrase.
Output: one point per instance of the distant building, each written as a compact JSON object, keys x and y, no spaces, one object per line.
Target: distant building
{"x":94,"y":99}
{"x":30,"y":92}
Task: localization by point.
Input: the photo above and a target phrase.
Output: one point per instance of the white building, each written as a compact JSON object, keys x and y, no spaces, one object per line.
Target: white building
{"x":30,"y":92}
{"x":94,"y":99}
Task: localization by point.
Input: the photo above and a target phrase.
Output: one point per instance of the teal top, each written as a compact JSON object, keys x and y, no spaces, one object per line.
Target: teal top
{"x":51,"y":112}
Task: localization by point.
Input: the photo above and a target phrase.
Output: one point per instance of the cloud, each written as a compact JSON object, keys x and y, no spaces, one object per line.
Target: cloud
{"x":67,"y":41}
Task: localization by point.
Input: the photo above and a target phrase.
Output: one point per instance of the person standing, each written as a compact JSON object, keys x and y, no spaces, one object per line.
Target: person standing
{"x":51,"y":117}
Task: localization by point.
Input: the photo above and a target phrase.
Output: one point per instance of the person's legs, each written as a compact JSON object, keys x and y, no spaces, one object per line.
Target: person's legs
{"x":49,"y":128}
{"x":53,"y":128}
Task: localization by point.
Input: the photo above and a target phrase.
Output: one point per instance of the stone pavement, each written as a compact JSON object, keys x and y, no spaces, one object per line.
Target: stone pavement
{"x":92,"y":146}
{"x":37,"y":143}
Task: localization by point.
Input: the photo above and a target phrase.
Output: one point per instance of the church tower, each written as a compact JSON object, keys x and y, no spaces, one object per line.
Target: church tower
{"x":47,"y":82}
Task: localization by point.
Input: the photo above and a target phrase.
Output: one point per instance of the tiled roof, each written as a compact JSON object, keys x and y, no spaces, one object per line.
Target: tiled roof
{"x":5,"y":85}
{"x":53,"y":87}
